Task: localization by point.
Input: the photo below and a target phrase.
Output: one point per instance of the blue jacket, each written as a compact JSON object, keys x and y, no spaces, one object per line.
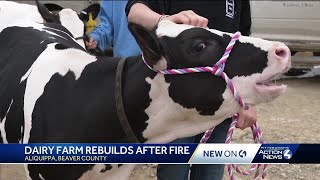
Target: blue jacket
{"x":113,"y":31}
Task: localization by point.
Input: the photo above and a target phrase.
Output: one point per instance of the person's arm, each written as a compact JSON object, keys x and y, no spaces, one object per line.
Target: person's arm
{"x":102,"y":35}
{"x":140,"y":12}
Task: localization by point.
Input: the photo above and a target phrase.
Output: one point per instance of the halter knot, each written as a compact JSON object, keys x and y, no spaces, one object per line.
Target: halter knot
{"x":218,"y":69}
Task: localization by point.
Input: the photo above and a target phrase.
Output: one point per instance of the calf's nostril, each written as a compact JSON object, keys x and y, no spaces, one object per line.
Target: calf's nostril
{"x":282,"y":52}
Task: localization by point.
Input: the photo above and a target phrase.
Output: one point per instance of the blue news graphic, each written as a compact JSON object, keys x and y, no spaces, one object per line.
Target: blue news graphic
{"x":96,"y":153}
{"x":288,"y":153}
{"x":271,"y":153}
{"x":159,"y":153}
{"x":306,"y":153}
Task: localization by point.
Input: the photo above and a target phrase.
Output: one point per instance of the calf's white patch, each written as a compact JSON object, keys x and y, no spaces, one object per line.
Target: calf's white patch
{"x":2,"y":126}
{"x":71,"y":21}
{"x":169,"y":120}
{"x":50,"y":62}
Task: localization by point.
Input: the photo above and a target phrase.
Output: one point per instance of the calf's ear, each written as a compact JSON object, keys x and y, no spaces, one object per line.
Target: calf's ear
{"x":46,"y":14}
{"x":94,"y":9}
{"x":148,"y":43}
{"x":53,"y":7}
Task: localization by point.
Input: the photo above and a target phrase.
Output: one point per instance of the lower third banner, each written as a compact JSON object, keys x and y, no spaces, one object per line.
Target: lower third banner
{"x":159,"y":153}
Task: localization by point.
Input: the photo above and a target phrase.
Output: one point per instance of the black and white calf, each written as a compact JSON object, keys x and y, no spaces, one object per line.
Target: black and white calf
{"x":13,"y":12}
{"x":51,"y":90}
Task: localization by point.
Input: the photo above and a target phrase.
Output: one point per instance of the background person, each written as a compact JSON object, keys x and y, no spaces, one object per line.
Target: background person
{"x":112,"y":31}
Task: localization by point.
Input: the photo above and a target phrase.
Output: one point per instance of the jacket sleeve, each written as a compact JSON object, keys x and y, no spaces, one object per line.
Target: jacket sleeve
{"x":150,"y":4}
{"x":103,"y":33}
{"x":245,"y":18}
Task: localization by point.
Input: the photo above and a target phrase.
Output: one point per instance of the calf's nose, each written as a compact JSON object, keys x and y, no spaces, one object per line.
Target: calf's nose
{"x":282,"y":52}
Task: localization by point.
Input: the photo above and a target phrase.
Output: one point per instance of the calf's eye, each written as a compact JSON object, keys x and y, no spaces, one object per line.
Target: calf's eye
{"x":199,"y":47}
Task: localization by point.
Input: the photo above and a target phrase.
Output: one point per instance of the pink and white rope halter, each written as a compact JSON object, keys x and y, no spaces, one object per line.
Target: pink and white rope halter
{"x":218,"y":70}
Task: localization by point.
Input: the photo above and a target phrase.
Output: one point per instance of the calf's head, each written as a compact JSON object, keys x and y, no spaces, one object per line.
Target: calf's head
{"x":252,"y":66}
{"x":53,"y":13}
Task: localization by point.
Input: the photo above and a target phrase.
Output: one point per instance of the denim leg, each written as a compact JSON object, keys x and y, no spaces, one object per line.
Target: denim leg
{"x":211,"y":171}
{"x":175,"y":172}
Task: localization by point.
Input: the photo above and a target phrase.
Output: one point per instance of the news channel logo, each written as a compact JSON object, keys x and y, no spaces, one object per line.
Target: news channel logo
{"x":287,"y":154}
{"x":274,"y":153}
{"x":242,"y":153}
{"x":225,"y":153}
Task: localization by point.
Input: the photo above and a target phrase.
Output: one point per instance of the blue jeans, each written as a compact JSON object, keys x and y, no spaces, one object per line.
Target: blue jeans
{"x":198,"y":171}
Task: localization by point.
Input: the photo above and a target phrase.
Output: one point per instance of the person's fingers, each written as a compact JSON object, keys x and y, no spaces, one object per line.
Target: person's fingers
{"x":188,"y":17}
{"x":240,"y":122}
{"x":246,"y":123}
{"x":184,"y":19}
{"x":203,"y":22}
{"x":91,"y":47}
{"x":193,"y":17}
{"x":247,"y":118}
{"x":91,"y":41}
{"x":94,"y":45}
{"x":251,"y":122}
{"x":91,"y":44}
{"x":196,"y":19}
{"x":179,"y":19}
{"x":88,"y":42}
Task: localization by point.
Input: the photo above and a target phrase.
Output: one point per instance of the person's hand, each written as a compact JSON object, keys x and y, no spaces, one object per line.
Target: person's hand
{"x":91,"y":44}
{"x":247,"y":118}
{"x":188,"y":17}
